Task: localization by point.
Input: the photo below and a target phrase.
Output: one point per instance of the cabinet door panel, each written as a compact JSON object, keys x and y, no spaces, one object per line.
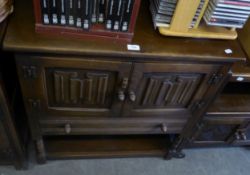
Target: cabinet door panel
{"x":166,"y":90}
{"x":160,"y":89}
{"x":74,"y":87}
{"x":79,"y":88}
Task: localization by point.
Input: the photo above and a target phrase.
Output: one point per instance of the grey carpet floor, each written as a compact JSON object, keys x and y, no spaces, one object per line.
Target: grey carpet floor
{"x":216,"y":161}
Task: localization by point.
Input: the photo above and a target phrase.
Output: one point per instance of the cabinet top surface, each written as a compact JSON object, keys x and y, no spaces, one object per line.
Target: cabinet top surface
{"x":21,"y":37}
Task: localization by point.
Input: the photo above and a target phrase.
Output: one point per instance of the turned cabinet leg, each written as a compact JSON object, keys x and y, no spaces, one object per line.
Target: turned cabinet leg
{"x":179,"y":155}
{"x":176,"y":150}
{"x":174,"y":154}
{"x":168,"y":155}
{"x":41,"y":157}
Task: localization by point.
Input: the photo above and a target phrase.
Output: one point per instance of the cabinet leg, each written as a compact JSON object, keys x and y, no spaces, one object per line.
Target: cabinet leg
{"x":174,"y":154}
{"x":179,"y":155}
{"x":41,"y":156}
{"x":168,"y":155}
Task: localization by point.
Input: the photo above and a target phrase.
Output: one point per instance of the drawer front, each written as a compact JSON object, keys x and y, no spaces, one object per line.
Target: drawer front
{"x":112,"y":126}
{"x":221,"y":130}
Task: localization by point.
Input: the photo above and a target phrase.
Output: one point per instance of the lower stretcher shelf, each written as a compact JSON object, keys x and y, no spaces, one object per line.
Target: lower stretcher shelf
{"x":64,"y":147}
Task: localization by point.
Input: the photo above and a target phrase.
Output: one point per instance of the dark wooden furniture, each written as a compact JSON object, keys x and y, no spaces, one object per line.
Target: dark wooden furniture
{"x":80,"y":93}
{"x":12,"y":148}
{"x":227,"y":121}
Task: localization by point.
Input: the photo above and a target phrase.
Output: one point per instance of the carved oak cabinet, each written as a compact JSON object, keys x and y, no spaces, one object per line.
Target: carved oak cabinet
{"x":90,"y":98}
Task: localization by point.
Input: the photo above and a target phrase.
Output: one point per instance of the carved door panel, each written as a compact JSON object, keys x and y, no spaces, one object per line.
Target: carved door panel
{"x":166,"y":89}
{"x":74,"y":87}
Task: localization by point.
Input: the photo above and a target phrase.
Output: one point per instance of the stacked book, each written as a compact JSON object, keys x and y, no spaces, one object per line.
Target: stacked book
{"x":199,"y":13}
{"x":5,"y":9}
{"x":163,"y":12}
{"x":227,"y":13}
{"x":114,"y":14}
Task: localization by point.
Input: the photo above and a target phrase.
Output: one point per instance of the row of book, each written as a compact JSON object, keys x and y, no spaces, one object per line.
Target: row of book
{"x":224,"y":13}
{"x":114,"y":14}
{"x":163,"y":11}
{"x":6,"y":8}
{"x":199,"y":12}
{"x":227,"y":13}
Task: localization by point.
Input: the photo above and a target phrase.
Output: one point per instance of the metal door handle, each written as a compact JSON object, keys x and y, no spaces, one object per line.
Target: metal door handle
{"x":68,"y":128}
{"x":121,"y":95}
{"x":237,"y":136}
{"x":164,"y":128}
{"x":132,"y":96}
{"x":243,"y":136}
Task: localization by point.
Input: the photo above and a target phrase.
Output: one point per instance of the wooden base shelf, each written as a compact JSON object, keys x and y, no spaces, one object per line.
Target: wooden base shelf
{"x":105,"y":146}
{"x":233,"y":104}
{"x":234,"y":100}
{"x":202,"y":31}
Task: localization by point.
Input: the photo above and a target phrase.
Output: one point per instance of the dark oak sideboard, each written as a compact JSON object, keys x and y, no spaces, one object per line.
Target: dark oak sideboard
{"x":92,"y":98}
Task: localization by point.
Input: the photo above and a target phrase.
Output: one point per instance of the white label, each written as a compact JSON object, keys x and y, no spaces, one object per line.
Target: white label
{"x":71,"y":20}
{"x":240,"y":78}
{"x":93,"y":18}
{"x":79,"y":22}
{"x":86,"y":26}
{"x":54,"y":19}
{"x":101,"y":18}
{"x":46,"y":19}
{"x":109,"y":24}
{"x":228,"y":51}
{"x":125,"y":26}
{"x":133,"y":47}
{"x":116,"y":26}
{"x":63,"y":20}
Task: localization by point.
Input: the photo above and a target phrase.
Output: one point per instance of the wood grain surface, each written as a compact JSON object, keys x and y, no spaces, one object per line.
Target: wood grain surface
{"x":21,"y":37}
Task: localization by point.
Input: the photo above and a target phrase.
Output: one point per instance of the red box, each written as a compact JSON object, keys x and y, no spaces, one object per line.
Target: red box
{"x":96,"y":30}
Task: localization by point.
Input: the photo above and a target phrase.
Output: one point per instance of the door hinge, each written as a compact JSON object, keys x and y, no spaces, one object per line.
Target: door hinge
{"x":29,"y":72}
{"x":35,"y":104}
{"x":215,"y":78}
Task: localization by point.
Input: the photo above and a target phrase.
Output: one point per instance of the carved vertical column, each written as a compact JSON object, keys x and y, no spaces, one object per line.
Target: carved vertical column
{"x":41,"y":155}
